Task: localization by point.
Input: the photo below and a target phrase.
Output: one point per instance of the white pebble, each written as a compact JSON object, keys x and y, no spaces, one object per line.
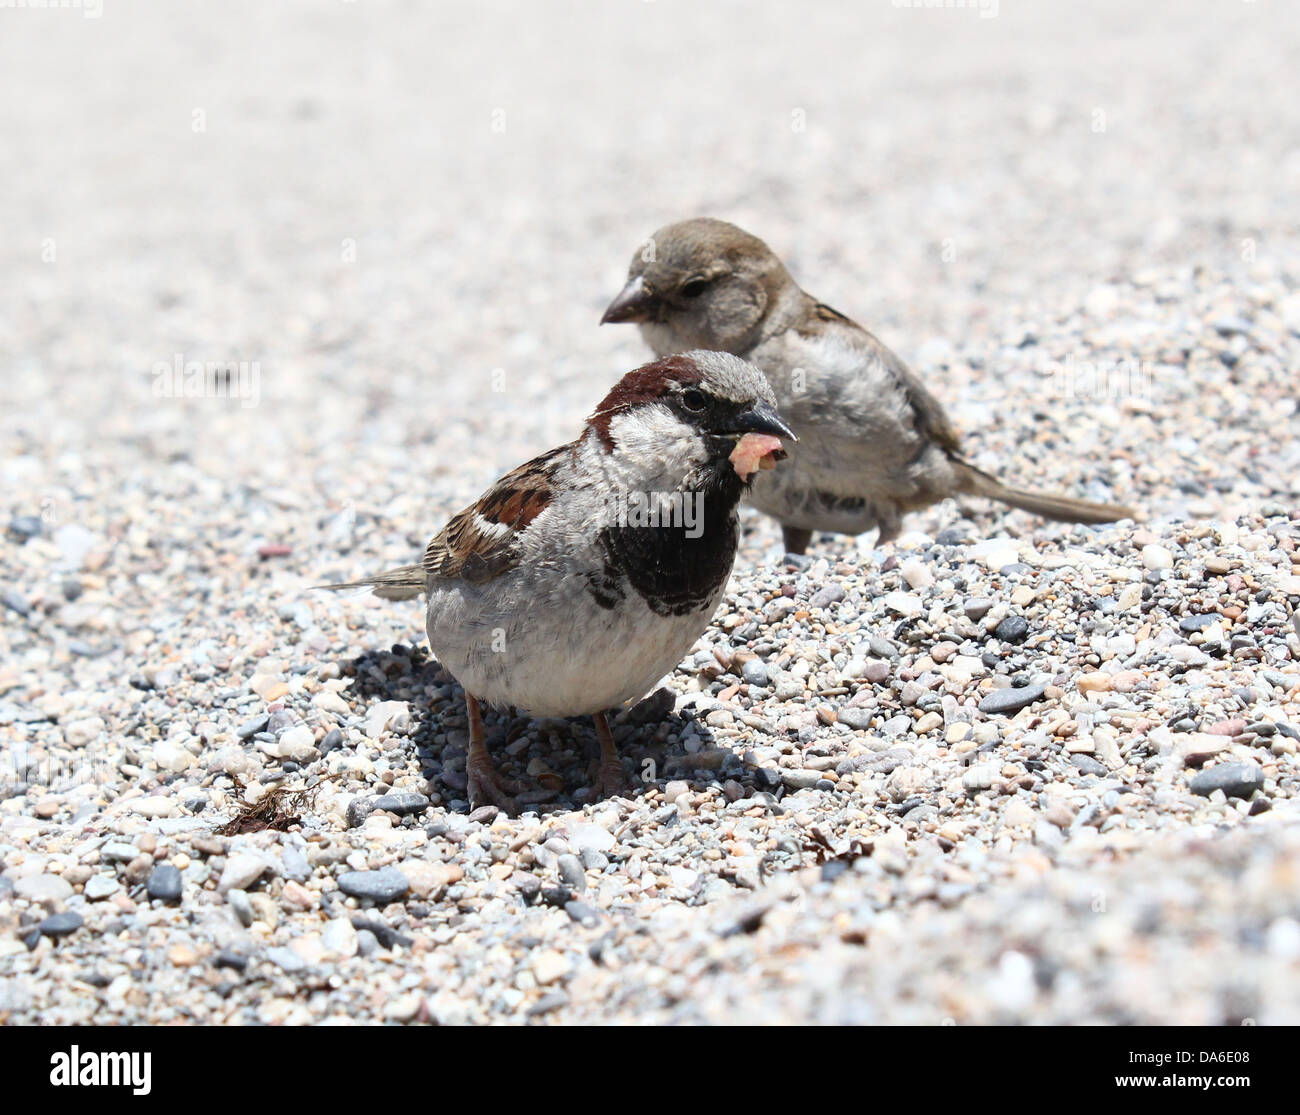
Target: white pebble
{"x":1156,"y":558}
{"x":242,"y":870}
{"x":916,"y":573}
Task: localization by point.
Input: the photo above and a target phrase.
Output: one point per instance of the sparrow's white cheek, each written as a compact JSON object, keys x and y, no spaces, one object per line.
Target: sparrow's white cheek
{"x":657,"y":438}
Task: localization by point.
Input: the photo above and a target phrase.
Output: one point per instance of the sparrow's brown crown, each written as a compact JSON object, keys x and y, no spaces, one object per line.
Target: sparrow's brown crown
{"x":715,"y":393}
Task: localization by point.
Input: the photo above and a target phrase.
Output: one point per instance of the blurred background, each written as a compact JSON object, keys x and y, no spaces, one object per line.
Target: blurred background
{"x":410,"y":217}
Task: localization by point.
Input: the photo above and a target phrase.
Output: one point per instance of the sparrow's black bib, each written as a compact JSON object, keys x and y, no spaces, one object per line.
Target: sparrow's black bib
{"x":675,"y":573}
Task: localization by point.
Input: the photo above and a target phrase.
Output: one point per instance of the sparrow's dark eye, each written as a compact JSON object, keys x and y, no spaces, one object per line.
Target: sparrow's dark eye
{"x":694,"y":288}
{"x":693,"y":400}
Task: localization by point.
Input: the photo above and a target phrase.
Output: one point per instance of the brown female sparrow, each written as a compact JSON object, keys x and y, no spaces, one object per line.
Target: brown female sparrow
{"x":873,"y":443}
{"x":582,"y":577}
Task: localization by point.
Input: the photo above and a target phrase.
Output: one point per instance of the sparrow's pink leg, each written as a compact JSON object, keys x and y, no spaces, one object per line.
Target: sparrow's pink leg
{"x":484,"y":781}
{"x":610,"y":779}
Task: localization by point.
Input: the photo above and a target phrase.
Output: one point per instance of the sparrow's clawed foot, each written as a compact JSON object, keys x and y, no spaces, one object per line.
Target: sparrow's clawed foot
{"x":489,"y":787}
{"x":611,"y":779}
{"x":611,"y":782}
{"x":486,"y":786}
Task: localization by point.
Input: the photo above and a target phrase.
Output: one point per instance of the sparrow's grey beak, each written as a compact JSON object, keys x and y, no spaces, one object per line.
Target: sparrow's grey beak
{"x":633,"y":303}
{"x":762,"y":419}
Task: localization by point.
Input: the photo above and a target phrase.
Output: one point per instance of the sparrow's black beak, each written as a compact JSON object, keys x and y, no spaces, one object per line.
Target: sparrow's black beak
{"x":634,"y":303}
{"x":761,"y":419}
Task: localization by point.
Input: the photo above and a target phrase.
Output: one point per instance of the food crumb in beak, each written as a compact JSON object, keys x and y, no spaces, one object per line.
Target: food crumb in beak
{"x":755,"y":452}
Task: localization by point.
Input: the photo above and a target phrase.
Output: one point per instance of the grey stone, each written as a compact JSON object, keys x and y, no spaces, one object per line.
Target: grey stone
{"x":25,"y":526}
{"x":285,"y":959}
{"x":1236,"y":780}
{"x":60,"y":925}
{"x":164,"y":883}
{"x":882,"y":762}
{"x":593,"y":860}
{"x":896,"y":726}
{"x":252,"y":727}
{"x":1012,"y":699}
{"x":295,"y":865}
{"x":1013,"y":629}
{"x":387,"y":937}
{"x":552,"y":1000}
{"x":241,"y":906}
{"x":359,"y":809}
{"x":117,"y":851}
{"x":859,"y":719}
{"x":385,"y":885}
{"x":100,"y":886}
{"x":571,"y":872}
{"x":1088,"y":765}
{"x":15,"y":601}
{"x":882,"y":648}
{"x":582,"y":913}
{"x":824,"y":597}
{"x":401,"y":803}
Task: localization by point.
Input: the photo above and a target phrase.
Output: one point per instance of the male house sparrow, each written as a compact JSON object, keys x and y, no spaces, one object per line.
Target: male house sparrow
{"x":873,"y":443}
{"x":582,"y":577}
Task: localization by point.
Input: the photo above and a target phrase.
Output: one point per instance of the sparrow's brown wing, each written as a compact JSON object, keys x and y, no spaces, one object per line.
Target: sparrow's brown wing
{"x":482,"y":541}
{"x":930,"y":417}
{"x":932,"y":424}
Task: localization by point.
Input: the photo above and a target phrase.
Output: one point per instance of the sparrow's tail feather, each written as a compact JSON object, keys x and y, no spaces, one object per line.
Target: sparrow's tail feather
{"x":405,"y":583}
{"x":1065,"y":509}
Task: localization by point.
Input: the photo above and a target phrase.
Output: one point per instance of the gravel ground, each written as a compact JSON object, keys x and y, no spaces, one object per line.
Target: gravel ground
{"x":999,"y":771}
